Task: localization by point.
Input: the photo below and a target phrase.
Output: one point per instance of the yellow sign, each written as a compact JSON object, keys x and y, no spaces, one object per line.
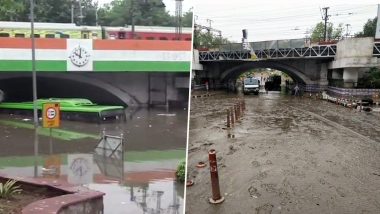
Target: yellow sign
{"x":50,"y":117}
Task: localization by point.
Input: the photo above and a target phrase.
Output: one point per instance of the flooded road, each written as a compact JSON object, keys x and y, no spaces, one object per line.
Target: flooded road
{"x":141,"y":180}
{"x":288,"y":155}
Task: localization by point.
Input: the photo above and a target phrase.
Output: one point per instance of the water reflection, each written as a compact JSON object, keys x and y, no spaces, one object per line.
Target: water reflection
{"x":137,"y":177}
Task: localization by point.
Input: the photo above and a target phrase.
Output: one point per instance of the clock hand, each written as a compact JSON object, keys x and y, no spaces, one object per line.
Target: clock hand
{"x":80,"y":52}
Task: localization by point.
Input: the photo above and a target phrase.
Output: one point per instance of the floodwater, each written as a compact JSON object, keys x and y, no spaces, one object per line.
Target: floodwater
{"x":140,"y":178}
{"x":286,"y":155}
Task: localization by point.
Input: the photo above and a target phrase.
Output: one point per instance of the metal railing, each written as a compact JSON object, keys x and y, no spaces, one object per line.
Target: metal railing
{"x":293,"y":48}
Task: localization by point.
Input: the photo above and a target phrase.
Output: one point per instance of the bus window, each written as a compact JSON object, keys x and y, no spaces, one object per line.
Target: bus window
{"x":36,"y":35}
{"x":49,"y":35}
{"x":94,"y":35}
{"x":65,"y":36}
{"x":85,"y":35}
{"x":19,"y":35}
{"x":188,"y":39}
{"x":163,"y":38}
{"x":4,"y":34}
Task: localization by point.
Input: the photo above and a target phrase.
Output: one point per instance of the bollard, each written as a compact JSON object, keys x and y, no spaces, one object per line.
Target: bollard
{"x":228,"y":119}
{"x":241,"y":108}
{"x":232,"y":116}
{"x":236,"y":114}
{"x":216,"y":197}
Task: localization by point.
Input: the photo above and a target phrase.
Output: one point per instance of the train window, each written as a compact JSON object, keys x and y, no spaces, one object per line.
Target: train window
{"x":188,"y":39}
{"x":65,"y":36}
{"x":19,"y":35}
{"x":4,"y":34}
{"x":49,"y":35}
{"x":150,"y":38}
{"x":121,"y":35}
{"x":163,"y":38}
{"x":36,"y":35}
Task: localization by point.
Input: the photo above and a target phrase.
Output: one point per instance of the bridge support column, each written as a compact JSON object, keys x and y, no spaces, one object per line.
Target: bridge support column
{"x":350,"y":77}
{"x":323,"y":76}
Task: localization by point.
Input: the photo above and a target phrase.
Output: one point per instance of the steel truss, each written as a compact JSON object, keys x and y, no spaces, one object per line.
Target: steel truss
{"x":322,"y":51}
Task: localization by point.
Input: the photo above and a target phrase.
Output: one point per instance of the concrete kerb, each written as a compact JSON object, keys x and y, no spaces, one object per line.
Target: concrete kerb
{"x":74,"y":199}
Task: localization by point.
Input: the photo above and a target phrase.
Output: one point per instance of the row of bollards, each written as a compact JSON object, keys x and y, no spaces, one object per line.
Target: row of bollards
{"x":235,"y":112}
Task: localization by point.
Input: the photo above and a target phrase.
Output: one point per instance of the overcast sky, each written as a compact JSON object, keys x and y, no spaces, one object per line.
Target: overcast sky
{"x":170,"y":5}
{"x":280,"y":19}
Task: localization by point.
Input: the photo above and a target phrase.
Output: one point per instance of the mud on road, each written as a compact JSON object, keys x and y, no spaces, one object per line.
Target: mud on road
{"x":287,"y":155}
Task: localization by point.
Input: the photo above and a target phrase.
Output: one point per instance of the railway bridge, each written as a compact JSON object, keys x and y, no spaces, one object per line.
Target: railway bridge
{"x":124,"y":72}
{"x":312,"y":65}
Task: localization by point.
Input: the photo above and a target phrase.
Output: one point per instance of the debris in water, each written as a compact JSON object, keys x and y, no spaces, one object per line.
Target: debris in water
{"x":167,"y":115}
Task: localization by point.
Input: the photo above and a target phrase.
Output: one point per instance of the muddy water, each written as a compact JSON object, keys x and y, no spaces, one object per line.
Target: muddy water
{"x":288,"y":155}
{"x":140,"y":181}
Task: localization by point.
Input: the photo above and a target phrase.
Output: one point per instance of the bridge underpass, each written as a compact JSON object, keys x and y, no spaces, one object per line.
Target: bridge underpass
{"x":130,"y":89}
{"x":133,"y":73}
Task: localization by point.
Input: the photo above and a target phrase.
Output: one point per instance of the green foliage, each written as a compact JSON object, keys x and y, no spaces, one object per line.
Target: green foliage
{"x":116,"y":13}
{"x":369,"y":29}
{"x":9,"y":189}
{"x":371,"y":79}
{"x":206,"y":39}
{"x":181,"y":171}
{"x":333,"y":33}
{"x":11,"y":9}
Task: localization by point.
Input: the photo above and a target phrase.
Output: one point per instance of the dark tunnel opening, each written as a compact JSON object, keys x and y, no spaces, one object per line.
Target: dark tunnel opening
{"x":20,"y":89}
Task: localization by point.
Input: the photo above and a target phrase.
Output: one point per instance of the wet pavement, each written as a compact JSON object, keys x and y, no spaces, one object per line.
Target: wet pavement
{"x":141,"y":179}
{"x":288,"y":155}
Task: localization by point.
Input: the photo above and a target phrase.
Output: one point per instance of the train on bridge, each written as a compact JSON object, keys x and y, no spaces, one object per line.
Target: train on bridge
{"x":70,"y":30}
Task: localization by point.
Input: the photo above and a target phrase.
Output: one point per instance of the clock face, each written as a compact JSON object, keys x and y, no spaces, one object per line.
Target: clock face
{"x":79,"y":56}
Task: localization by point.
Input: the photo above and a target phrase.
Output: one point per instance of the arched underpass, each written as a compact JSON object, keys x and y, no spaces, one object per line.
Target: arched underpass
{"x":233,"y":73}
{"x":18,"y":87}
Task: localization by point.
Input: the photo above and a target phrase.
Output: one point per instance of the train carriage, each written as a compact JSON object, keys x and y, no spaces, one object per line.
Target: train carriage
{"x":70,"y":30}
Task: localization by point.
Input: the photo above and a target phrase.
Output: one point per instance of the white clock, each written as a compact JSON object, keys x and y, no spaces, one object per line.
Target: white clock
{"x":79,"y":56}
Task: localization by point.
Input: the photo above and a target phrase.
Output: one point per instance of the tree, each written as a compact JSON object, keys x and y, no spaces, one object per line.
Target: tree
{"x":123,"y":12}
{"x":11,"y":9}
{"x":369,"y":28}
{"x":206,"y":39}
{"x":318,"y":32}
{"x":47,"y":11}
{"x":187,"y":20}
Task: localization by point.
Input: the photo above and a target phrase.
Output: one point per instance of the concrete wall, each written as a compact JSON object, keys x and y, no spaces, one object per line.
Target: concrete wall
{"x":94,"y":206}
{"x":196,"y":65}
{"x":355,"y":52}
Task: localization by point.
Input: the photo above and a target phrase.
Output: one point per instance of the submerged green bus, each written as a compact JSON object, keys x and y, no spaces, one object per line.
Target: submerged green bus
{"x":71,"y":109}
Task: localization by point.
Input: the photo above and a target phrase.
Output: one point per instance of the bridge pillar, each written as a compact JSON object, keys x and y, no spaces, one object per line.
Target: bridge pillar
{"x":323,"y":75}
{"x":350,"y":77}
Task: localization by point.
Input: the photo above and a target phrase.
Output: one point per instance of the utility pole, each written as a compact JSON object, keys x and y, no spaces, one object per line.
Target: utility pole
{"x":96,"y":13}
{"x":132,"y":12}
{"x":326,"y":17}
{"x":209,"y":22}
{"x":72,"y":11}
{"x":178,"y":13}
{"x":347,"y":34}
{"x":34,"y":82}
{"x":81,"y":12}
